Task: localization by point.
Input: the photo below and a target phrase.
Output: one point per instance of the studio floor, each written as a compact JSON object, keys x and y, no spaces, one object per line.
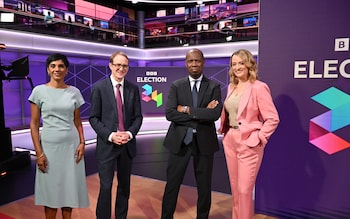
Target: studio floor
{"x":147,"y":185}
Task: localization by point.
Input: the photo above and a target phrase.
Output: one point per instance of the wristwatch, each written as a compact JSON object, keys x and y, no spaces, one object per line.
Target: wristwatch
{"x":185,"y":109}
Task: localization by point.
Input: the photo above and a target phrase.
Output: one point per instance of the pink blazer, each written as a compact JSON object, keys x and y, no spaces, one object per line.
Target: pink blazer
{"x":257,"y":115}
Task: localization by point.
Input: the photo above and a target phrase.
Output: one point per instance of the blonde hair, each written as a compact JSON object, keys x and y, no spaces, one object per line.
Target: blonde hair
{"x":249,"y":62}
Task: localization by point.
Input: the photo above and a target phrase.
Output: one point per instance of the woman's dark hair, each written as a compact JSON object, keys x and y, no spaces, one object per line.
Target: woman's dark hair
{"x":55,"y":57}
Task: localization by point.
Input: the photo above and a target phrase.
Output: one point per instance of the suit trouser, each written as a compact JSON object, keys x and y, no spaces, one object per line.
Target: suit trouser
{"x":243,"y":164}
{"x":106,"y":170}
{"x":177,"y":165}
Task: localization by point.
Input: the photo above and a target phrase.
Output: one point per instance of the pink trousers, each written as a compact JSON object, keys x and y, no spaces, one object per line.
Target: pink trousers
{"x":243,"y":164}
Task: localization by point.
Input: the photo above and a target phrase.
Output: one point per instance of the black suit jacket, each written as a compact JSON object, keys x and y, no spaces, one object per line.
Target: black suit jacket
{"x":104,"y":115}
{"x":200,"y":118}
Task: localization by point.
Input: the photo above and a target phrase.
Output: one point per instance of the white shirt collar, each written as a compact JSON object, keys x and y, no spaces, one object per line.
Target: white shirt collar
{"x":198,"y":79}
{"x":114,"y":82}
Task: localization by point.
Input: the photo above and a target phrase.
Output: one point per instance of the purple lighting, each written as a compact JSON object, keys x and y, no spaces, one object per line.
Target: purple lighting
{"x":39,"y":43}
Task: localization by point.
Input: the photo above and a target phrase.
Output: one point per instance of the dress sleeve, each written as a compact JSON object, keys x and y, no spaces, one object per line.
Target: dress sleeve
{"x":79,"y":99}
{"x":35,"y":97}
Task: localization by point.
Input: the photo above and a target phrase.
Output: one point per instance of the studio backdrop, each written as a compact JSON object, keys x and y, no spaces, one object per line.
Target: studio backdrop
{"x":304,"y":57}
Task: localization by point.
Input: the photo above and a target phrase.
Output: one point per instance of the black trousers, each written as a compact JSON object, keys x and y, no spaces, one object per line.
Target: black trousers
{"x":177,"y":165}
{"x":106,"y":170}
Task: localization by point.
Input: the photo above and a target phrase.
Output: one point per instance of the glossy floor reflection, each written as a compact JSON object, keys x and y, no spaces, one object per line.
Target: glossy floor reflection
{"x":149,"y":175}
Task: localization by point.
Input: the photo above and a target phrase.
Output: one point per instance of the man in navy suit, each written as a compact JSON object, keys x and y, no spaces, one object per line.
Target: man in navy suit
{"x":199,"y":119}
{"x":116,"y":142}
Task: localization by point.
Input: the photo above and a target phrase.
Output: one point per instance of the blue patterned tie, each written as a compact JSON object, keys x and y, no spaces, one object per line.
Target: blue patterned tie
{"x":189,"y":134}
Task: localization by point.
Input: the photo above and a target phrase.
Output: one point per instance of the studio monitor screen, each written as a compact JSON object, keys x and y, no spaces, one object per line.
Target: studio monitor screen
{"x":20,"y":68}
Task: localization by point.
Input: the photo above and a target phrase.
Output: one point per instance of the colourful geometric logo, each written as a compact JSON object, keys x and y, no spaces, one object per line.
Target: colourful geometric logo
{"x":148,"y":95}
{"x":321,"y":127}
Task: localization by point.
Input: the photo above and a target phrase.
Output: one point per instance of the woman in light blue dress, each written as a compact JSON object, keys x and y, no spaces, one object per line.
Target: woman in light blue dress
{"x":60,"y":180}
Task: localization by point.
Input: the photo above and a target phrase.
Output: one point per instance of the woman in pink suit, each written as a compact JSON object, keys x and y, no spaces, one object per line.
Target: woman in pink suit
{"x":248,"y":119}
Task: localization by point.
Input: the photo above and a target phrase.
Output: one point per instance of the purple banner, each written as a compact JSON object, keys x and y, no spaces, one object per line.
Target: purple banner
{"x":304,"y":57}
{"x":155,"y":82}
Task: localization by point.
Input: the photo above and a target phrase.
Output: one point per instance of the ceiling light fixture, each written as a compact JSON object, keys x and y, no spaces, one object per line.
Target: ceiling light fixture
{"x":171,"y":2}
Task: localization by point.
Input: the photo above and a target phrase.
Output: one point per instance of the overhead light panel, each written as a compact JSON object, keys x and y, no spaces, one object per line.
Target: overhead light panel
{"x":169,"y":2}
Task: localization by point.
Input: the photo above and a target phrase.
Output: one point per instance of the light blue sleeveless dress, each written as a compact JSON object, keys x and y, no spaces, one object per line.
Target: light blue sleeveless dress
{"x":64,"y":183}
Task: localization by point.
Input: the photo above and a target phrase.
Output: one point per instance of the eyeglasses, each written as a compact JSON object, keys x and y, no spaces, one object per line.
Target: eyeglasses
{"x":118,"y":66}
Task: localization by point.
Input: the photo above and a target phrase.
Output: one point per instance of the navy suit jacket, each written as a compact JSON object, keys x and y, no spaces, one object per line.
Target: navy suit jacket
{"x":104,"y":115}
{"x":201,"y":118}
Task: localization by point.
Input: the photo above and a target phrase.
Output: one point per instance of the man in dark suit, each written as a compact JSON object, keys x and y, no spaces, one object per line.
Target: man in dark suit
{"x":192,"y":133}
{"x":116,"y":141}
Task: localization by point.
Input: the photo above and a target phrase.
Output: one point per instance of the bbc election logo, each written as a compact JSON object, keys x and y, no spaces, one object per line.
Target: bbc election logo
{"x":327,"y":68}
{"x":322,"y":127}
{"x":341,"y":44}
{"x":149,"y":94}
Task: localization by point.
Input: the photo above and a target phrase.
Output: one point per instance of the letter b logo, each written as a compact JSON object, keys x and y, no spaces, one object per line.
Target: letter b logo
{"x":341,"y":44}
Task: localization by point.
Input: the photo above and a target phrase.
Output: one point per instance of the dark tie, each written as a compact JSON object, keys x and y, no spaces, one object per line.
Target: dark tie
{"x":120,"y":109}
{"x":189,"y":134}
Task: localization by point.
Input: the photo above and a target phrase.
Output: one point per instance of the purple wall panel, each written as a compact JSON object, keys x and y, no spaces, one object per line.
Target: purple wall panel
{"x":298,"y":178}
{"x":83,"y":72}
{"x":12,"y":106}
